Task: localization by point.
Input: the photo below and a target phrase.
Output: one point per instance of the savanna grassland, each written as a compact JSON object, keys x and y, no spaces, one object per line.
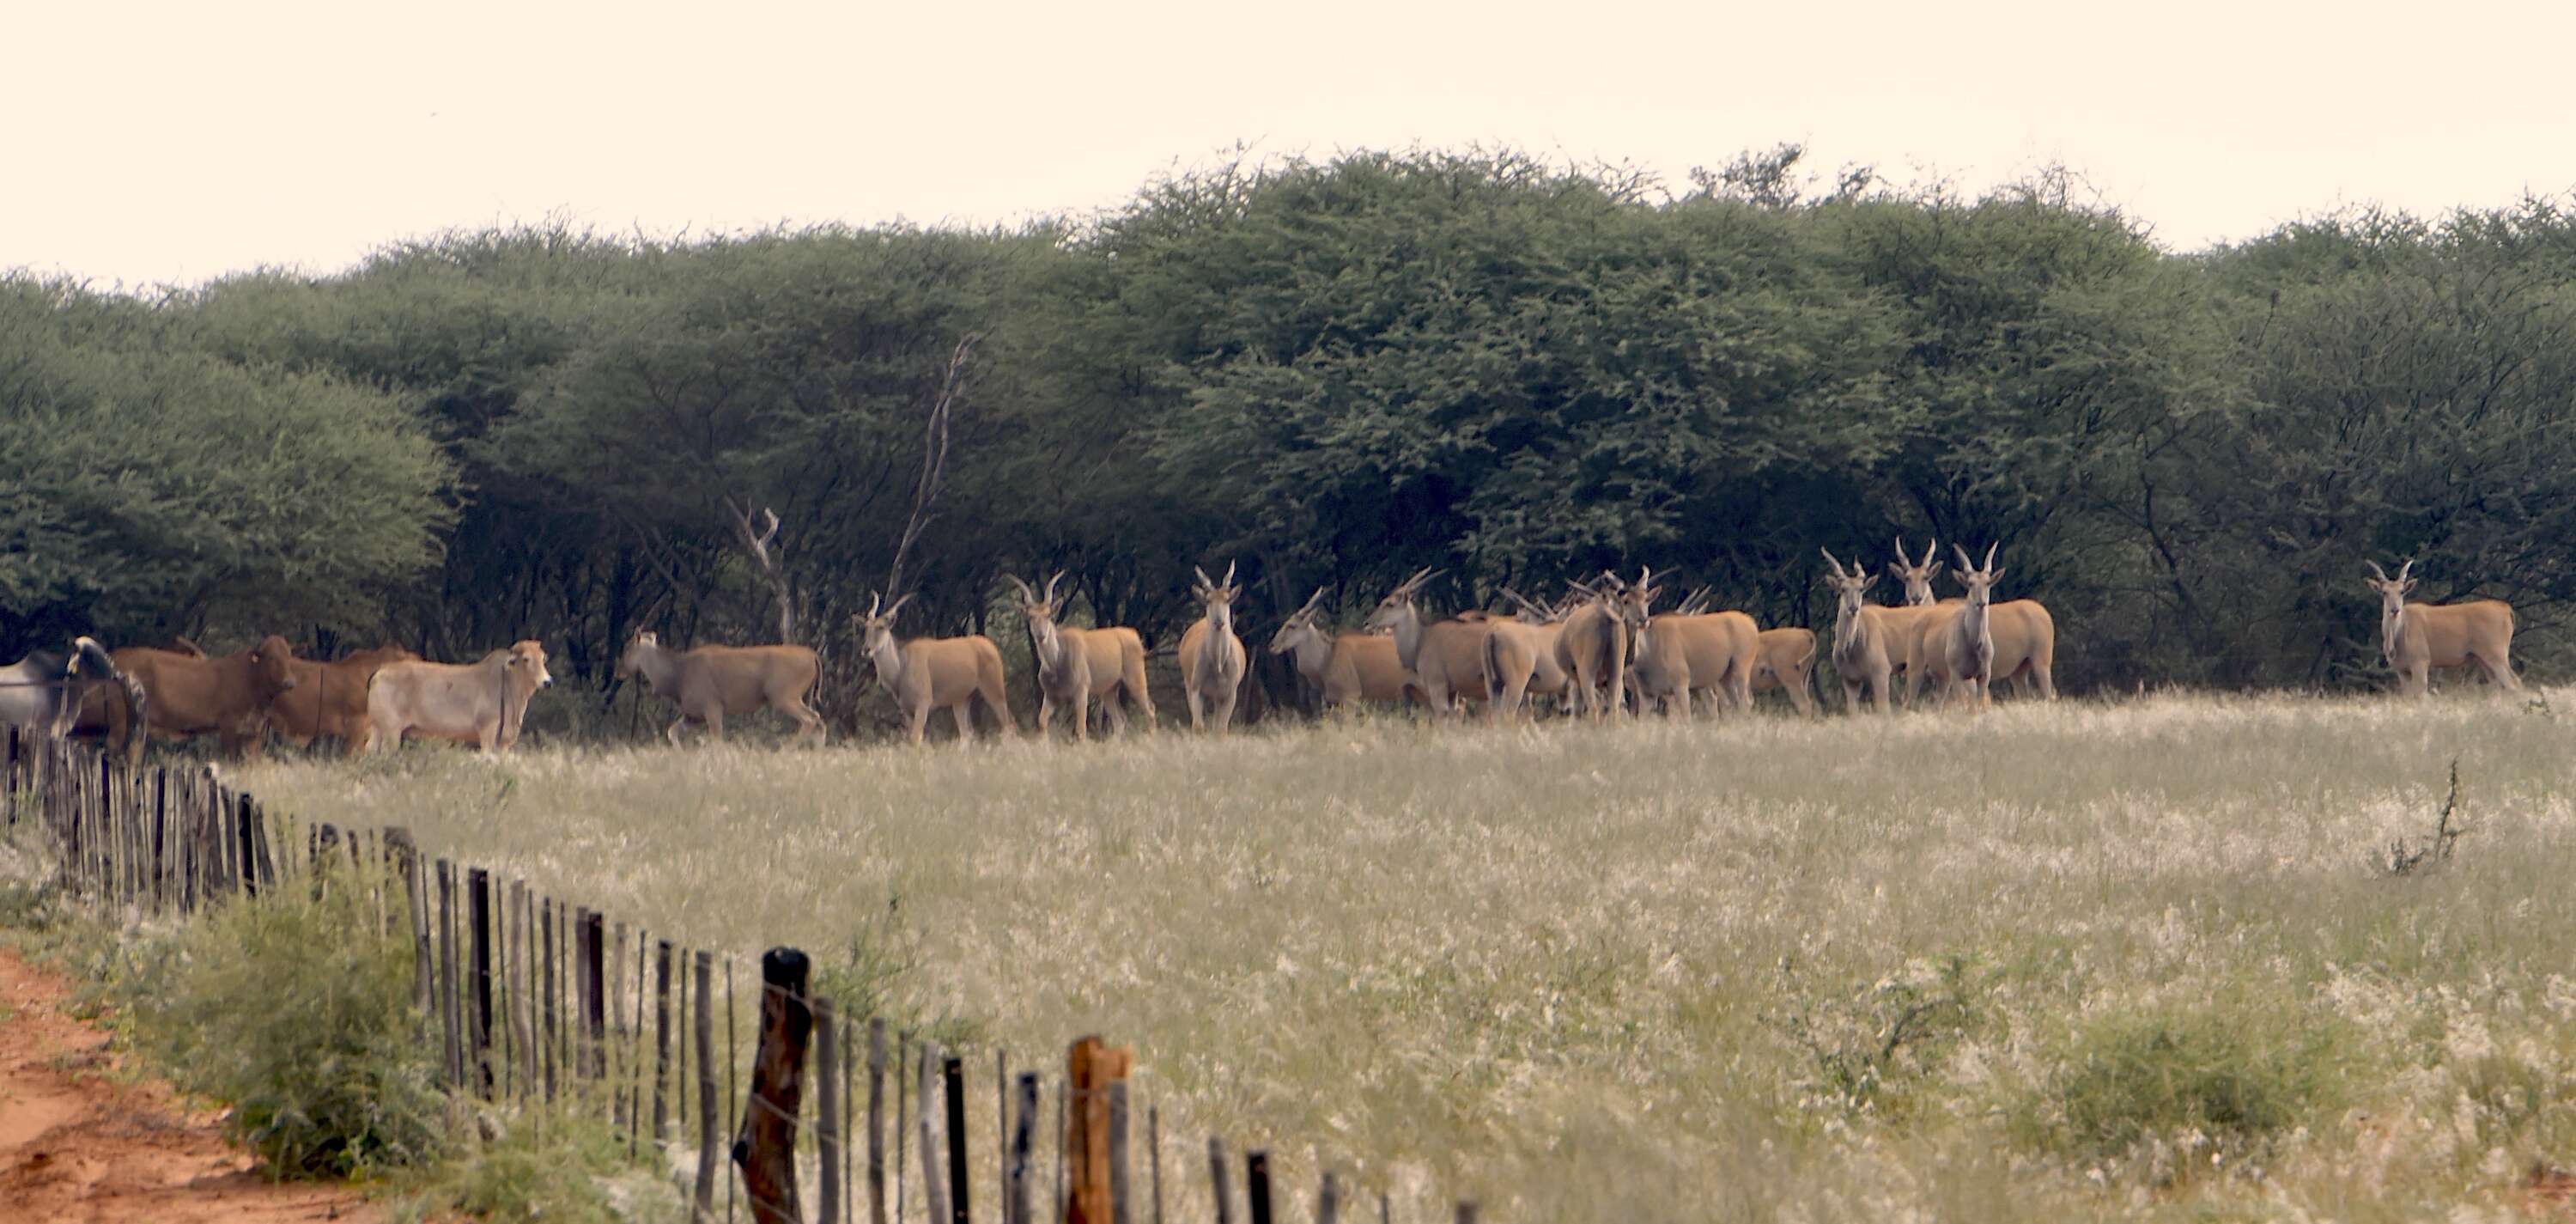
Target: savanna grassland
{"x":2138,"y":959}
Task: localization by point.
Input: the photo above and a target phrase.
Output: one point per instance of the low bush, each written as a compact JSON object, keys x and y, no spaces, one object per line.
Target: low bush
{"x":297,"y":1013}
{"x":2217,"y":1080}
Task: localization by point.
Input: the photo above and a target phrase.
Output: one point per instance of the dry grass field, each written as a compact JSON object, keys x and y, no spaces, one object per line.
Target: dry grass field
{"x":2133,"y":959}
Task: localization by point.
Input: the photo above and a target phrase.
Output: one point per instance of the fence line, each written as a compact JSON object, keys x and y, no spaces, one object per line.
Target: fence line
{"x":530,"y":1001}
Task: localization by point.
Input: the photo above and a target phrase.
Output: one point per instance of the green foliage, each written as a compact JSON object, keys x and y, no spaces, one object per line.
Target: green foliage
{"x":2221,"y":1077}
{"x":869,"y":978}
{"x":296,"y":1013}
{"x":549,"y":1166}
{"x":150,"y":485}
{"x":1331,"y":371}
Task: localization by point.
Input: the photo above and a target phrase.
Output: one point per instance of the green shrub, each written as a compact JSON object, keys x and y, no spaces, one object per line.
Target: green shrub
{"x":297,"y":1013}
{"x":2225,"y":1076}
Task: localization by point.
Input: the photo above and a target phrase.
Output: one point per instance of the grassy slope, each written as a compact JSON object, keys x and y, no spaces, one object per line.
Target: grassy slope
{"x":1626,"y":972}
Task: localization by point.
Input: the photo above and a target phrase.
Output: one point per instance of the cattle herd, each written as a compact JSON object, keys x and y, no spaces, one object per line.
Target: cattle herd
{"x":1600,"y":649}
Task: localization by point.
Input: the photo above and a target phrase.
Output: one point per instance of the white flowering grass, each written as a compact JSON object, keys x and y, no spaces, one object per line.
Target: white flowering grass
{"x":1649,"y":971}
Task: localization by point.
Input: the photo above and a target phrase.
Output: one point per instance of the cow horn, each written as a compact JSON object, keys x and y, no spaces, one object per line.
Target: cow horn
{"x":873,"y":600}
{"x":1050,"y":591}
{"x":1833,"y":561}
{"x":2404,"y":570}
{"x":1902,"y":557}
{"x":1026,"y":595}
{"x":2377,"y":572}
{"x":1990,"y":555}
{"x":1202,"y":575}
{"x":1229,"y":575}
{"x":1965,"y":565}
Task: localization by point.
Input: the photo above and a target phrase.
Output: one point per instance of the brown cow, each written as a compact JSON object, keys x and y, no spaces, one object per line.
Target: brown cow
{"x":712,"y":681}
{"x":191,"y":694}
{"x":483,"y":701}
{"x":330,"y":698}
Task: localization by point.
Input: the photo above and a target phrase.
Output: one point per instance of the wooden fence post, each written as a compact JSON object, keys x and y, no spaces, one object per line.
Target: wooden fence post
{"x":827,"y":1112}
{"x":933,"y":1193}
{"x":1256,"y":1184}
{"x":454,"y":1046}
{"x":1015,"y":1194}
{"x":1216,"y":1180}
{"x":594,"y":1003}
{"x":952,"y":1074}
{"x":706,"y":1034}
{"x":406,"y":856}
{"x":1091,"y":1066}
{"x":876,"y":1120}
{"x":1154,"y":1155}
{"x":1328,"y":1200}
{"x":765,"y":1148}
{"x":661,"y":1039}
{"x":1118,"y":1198}
{"x":552,"y":1019}
{"x":478,"y":942}
{"x":523,"y":984}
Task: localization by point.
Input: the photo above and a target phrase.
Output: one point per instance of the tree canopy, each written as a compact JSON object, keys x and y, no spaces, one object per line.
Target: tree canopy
{"x":1333,"y":371}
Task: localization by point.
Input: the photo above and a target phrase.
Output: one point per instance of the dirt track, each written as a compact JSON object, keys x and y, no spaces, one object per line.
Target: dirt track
{"x":76,"y":1144}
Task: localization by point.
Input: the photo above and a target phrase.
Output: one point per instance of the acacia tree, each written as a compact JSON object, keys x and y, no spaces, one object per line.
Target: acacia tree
{"x":150,"y":487}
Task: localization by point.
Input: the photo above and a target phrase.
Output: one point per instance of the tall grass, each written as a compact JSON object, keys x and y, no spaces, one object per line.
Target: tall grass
{"x":1653,"y":971}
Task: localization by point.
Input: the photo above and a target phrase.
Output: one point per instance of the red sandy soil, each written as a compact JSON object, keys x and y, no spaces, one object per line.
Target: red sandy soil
{"x":79,"y":1144}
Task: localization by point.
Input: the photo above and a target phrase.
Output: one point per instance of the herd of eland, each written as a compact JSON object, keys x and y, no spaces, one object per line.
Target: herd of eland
{"x":1603,"y":648}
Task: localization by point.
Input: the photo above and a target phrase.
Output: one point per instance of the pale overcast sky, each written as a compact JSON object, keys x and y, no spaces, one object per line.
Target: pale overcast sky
{"x":178,"y":142}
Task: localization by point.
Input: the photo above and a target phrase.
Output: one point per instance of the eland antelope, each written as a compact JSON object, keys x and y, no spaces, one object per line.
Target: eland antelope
{"x":1344,"y":667}
{"x":1785,"y":659}
{"x":1593,"y":649}
{"x":1522,"y":658}
{"x":2415,"y":638}
{"x":1079,"y":666}
{"x":935,"y":673}
{"x":1447,"y":658}
{"x":1212,"y":661}
{"x":711,"y":682}
{"x":2023,"y":634}
{"x":1680,"y":654}
{"x":1870,"y":641}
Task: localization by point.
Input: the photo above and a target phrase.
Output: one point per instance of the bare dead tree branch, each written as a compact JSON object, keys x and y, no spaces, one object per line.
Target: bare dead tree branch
{"x":934,"y":457}
{"x":757,"y":540}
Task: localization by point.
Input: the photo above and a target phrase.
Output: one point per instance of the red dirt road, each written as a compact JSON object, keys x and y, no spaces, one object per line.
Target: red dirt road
{"x":78,"y":1146}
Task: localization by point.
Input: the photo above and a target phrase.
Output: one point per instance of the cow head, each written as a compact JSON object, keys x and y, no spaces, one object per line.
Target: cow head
{"x":527,"y":666}
{"x":273,"y":663}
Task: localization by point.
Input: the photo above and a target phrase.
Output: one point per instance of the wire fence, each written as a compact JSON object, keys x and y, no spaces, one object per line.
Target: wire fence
{"x":538,"y":1003}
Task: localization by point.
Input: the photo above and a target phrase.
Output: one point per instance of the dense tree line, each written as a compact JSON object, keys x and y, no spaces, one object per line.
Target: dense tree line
{"x":1334,"y":372}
